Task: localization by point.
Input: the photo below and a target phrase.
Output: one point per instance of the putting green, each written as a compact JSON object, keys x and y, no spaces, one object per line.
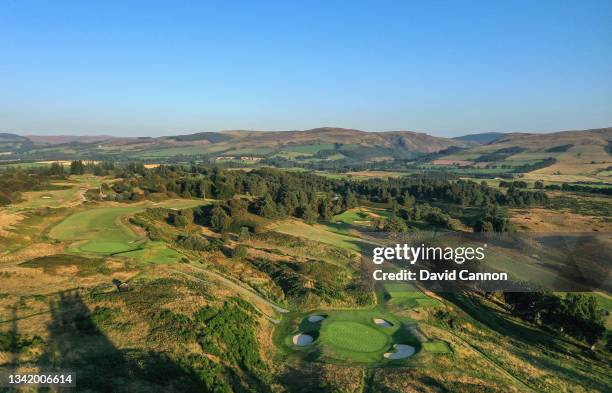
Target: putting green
{"x":100,"y":230}
{"x":347,"y":336}
{"x":353,"y":336}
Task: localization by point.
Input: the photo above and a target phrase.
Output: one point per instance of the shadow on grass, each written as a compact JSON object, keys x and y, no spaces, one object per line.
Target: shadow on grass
{"x":536,"y":338}
{"x":306,"y":377}
{"x":76,"y":344}
{"x":494,"y":321}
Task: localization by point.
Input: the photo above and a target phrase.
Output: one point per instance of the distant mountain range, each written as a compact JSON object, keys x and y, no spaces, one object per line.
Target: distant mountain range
{"x":308,"y":146}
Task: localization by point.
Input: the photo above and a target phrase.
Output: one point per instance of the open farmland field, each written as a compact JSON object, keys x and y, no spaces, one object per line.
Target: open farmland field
{"x":360,"y":175}
{"x":185,"y":151}
{"x":309,"y":149}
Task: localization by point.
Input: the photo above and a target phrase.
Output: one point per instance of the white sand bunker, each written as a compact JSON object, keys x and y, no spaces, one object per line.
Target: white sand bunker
{"x":302,"y":339}
{"x":403,"y":351}
{"x":315,"y":318}
{"x":382,"y":323}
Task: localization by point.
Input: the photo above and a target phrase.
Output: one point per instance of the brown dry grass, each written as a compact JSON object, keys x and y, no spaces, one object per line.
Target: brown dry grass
{"x":434,"y":381}
{"x":8,"y":220}
{"x":33,"y":250}
{"x":544,"y":220}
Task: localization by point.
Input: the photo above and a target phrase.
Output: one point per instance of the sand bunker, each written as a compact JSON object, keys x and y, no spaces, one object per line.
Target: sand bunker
{"x":403,"y":351}
{"x":315,"y":318}
{"x":382,"y":323}
{"x":302,"y":339}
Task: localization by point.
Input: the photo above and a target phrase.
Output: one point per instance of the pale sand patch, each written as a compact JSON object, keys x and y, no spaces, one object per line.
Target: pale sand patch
{"x":382,"y":323}
{"x":302,"y":339}
{"x":315,"y":318}
{"x":403,"y":351}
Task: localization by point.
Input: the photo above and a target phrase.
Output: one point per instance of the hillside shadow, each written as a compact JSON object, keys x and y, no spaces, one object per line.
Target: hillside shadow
{"x":75,"y":343}
{"x":498,"y":323}
{"x":306,"y":378}
{"x":403,"y":335}
{"x":531,"y":336}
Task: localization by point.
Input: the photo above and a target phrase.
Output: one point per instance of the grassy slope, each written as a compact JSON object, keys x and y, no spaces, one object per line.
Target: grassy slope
{"x":101,"y":228}
{"x":317,"y":232}
{"x":585,"y":160}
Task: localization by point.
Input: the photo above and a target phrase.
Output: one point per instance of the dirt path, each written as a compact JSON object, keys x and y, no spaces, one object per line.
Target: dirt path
{"x":239,"y":289}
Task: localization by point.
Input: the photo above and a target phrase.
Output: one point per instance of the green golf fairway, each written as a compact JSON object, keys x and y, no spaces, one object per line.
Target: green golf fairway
{"x":101,"y":228}
{"x":102,"y":232}
{"x":353,"y":336}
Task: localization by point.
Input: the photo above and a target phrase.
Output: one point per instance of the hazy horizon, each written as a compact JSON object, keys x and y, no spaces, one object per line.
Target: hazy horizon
{"x":446,"y":69}
{"x":231,"y":130}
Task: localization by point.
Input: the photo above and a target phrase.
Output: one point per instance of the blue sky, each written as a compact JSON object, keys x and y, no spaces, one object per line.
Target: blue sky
{"x":161,"y":68}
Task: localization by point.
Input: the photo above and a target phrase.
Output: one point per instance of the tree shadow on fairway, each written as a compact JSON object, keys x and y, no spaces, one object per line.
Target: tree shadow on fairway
{"x":75,"y":343}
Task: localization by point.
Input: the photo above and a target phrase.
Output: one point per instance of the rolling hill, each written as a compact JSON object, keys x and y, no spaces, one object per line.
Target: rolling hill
{"x":576,"y":154}
{"x":480,"y":139}
{"x":583,"y":155}
{"x":326,"y":142}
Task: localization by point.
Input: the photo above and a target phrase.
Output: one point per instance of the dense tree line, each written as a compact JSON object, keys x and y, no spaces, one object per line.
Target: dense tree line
{"x":273,"y":193}
{"x":14,"y":181}
{"x":580,"y":188}
{"x":575,"y":314}
{"x":513,"y":184}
